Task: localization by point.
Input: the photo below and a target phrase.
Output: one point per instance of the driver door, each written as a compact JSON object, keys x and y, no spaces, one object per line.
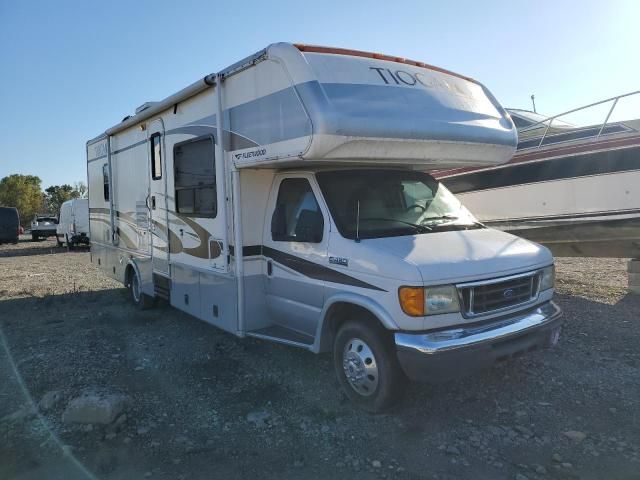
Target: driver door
{"x":295,"y":246}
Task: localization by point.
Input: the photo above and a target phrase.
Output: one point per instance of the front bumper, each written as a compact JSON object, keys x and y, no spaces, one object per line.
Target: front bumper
{"x":442,"y":355}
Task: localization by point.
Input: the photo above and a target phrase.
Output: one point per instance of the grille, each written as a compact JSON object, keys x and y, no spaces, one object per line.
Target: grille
{"x":499,"y":294}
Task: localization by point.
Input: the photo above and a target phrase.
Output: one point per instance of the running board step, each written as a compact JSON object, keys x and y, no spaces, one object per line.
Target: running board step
{"x":161,"y":292}
{"x":161,"y":286}
{"x":279,"y":334}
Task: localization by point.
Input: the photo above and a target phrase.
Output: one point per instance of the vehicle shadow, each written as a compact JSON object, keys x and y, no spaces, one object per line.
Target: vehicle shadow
{"x":17,"y":251}
{"x":44,"y":247}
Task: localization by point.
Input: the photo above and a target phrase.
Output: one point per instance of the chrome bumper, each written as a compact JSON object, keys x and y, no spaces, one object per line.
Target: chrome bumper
{"x":441,"y":355}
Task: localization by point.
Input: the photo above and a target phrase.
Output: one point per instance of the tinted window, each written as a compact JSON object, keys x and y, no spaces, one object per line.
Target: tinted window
{"x":297,"y":216}
{"x":105,"y":181}
{"x":195,"y":177}
{"x":156,"y":157}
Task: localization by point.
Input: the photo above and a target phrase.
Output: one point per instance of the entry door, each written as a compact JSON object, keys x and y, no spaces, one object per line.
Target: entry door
{"x":157,"y":200}
{"x":295,"y":240}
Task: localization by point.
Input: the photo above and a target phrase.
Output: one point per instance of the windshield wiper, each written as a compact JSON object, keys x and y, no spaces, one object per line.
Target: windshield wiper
{"x":416,"y":227}
{"x":439,"y":217}
{"x":452,"y":217}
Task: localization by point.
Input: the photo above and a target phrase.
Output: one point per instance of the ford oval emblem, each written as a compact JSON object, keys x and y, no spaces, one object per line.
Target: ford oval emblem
{"x":508,"y":293}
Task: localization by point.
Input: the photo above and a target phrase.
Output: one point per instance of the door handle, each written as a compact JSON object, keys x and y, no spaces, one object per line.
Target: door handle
{"x":269,"y":268}
{"x":153,"y":202}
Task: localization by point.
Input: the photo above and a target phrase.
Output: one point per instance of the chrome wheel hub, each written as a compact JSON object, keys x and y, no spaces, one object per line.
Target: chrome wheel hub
{"x":360,"y":367}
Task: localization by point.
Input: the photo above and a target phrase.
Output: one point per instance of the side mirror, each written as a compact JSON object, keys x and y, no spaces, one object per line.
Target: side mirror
{"x":310,"y":226}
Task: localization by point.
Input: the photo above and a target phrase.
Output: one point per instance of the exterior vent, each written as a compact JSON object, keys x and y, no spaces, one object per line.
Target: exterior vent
{"x":145,"y":106}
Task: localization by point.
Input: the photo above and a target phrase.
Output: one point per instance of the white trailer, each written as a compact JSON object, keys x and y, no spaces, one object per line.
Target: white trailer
{"x":283,"y":198}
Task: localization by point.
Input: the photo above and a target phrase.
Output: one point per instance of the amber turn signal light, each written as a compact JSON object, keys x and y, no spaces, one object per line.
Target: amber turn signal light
{"x":412,"y":300}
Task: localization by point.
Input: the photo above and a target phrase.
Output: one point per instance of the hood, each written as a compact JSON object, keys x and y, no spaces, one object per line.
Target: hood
{"x":466,"y":255}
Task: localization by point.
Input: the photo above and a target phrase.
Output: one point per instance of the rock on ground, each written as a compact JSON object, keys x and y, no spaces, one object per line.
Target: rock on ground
{"x":575,"y":435}
{"x":259,"y":418}
{"x":50,"y":400}
{"x":92,"y":407}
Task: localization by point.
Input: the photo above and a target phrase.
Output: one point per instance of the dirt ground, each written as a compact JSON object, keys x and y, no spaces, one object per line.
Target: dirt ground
{"x":204,"y":404}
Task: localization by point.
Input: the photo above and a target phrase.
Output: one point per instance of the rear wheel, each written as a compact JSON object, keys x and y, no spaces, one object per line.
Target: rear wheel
{"x":139,"y":299}
{"x":34,"y":237}
{"x":367,"y":366}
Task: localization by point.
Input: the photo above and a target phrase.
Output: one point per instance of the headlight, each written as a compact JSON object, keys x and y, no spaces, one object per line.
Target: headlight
{"x":418,"y":301}
{"x":547,"y":278}
{"x":442,"y":299}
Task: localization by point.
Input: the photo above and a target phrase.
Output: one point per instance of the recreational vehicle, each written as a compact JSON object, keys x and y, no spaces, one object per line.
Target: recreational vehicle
{"x":284,"y":198}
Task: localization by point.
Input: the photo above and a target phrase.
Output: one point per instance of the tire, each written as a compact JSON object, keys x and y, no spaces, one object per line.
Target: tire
{"x":58,"y":241}
{"x":365,"y":349}
{"x":34,"y":237}
{"x":141,"y":300}
{"x":69,"y":244}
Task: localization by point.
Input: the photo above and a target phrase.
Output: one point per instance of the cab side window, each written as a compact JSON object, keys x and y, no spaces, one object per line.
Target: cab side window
{"x":297,"y":216}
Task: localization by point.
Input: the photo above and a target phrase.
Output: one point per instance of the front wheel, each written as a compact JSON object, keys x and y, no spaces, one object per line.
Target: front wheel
{"x":139,"y":299}
{"x":34,"y":237}
{"x":367,"y":366}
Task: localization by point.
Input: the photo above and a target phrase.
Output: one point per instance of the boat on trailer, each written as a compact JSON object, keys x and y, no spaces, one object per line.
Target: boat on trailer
{"x":574,"y":189}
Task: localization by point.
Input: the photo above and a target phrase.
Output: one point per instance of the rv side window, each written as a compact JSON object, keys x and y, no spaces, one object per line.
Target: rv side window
{"x":195,"y":177}
{"x":105,"y":181}
{"x":156,"y":157}
{"x":297,"y":216}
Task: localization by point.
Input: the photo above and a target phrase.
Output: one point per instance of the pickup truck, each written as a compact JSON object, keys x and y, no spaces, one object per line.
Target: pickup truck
{"x":43,"y":226}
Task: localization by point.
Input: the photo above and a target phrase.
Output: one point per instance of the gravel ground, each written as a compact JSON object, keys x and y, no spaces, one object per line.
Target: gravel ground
{"x":204,"y":404}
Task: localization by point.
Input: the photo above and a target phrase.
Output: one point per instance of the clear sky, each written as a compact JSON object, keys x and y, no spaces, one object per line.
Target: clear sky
{"x":71,"y":69}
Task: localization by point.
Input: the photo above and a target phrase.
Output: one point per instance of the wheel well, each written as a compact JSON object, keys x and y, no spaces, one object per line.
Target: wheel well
{"x":338,"y":314}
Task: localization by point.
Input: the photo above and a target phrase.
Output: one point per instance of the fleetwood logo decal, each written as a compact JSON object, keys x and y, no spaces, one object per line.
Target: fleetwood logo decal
{"x":254,"y":153}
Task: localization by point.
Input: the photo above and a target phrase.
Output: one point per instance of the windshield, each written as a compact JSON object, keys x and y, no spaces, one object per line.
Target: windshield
{"x":384,"y":203}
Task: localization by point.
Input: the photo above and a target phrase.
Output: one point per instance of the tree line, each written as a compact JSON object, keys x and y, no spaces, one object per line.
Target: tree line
{"x":25,"y":193}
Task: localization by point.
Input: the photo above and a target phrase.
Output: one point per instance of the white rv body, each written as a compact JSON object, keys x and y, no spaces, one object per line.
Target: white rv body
{"x":192,"y":218}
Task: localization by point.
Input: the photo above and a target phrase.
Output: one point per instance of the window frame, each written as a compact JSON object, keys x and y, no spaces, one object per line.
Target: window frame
{"x":194,"y":188}
{"x":318,"y":203}
{"x":154,"y":174}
